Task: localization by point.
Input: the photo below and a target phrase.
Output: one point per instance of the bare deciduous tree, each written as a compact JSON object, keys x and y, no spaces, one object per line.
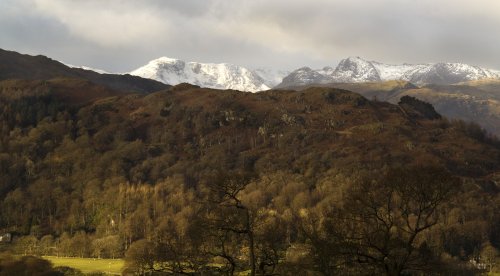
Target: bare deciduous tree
{"x":385,"y":218}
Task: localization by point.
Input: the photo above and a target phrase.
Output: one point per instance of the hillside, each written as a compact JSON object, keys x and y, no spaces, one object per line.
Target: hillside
{"x":474,"y":101}
{"x":87,"y":172}
{"x":18,"y":66}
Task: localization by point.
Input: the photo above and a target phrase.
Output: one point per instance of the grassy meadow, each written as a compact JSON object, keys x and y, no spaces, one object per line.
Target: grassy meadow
{"x":87,"y":265}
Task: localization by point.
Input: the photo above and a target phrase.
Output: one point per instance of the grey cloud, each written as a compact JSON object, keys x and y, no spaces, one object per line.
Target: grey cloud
{"x":119,"y":35}
{"x":187,"y":8}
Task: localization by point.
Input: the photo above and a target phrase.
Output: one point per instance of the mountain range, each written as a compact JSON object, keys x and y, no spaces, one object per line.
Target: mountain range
{"x":357,"y":70}
{"x":471,"y":96}
{"x":458,"y":91}
{"x":350,"y":70}
{"x":220,"y":76}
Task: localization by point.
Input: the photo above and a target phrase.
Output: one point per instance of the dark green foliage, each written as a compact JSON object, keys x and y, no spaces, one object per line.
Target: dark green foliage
{"x":416,"y":107}
{"x":68,"y":271}
{"x":27,"y":265}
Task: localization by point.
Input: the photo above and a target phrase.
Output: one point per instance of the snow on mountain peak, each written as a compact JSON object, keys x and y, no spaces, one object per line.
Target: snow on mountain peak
{"x":356,"y":69}
{"x":448,"y":73}
{"x":165,"y":60}
{"x":353,"y":69}
{"x":303,"y":76}
{"x":211,"y":75}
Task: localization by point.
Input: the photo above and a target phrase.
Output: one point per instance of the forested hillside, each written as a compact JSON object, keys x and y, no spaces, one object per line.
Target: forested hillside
{"x":190,"y":179}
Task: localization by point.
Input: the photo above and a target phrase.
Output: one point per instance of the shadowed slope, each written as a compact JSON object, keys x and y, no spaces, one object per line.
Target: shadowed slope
{"x":17,"y":66}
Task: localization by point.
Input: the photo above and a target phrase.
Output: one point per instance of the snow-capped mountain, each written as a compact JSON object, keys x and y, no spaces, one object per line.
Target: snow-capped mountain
{"x":211,"y":75}
{"x":304,"y":76}
{"x":349,"y":70}
{"x":356,"y":69}
{"x":449,"y":73}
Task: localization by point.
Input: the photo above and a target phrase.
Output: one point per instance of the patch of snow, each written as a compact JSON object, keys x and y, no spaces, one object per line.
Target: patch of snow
{"x":85,"y":68}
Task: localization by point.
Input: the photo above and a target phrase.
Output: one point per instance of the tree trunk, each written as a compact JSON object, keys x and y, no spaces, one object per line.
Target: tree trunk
{"x":250,"y":244}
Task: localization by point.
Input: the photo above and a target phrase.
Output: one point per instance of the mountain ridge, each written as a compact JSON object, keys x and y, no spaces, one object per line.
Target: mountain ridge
{"x":211,"y":75}
{"x":14,"y":65}
{"x":174,"y":71}
{"x":356,"y":70}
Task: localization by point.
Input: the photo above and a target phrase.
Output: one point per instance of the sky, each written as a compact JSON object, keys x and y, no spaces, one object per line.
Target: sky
{"x":122,"y":35}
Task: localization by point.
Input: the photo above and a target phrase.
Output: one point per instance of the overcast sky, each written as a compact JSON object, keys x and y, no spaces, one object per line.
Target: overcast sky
{"x":121,"y":35}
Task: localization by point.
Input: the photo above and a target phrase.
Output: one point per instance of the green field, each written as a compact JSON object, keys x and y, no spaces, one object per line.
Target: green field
{"x":87,"y":265}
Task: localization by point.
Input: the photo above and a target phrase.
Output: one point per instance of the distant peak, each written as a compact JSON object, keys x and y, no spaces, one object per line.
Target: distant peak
{"x":354,"y":69}
{"x":351,"y":63}
{"x":213,"y":75}
{"x":356,"y":58}
{"x":166,"y":60}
